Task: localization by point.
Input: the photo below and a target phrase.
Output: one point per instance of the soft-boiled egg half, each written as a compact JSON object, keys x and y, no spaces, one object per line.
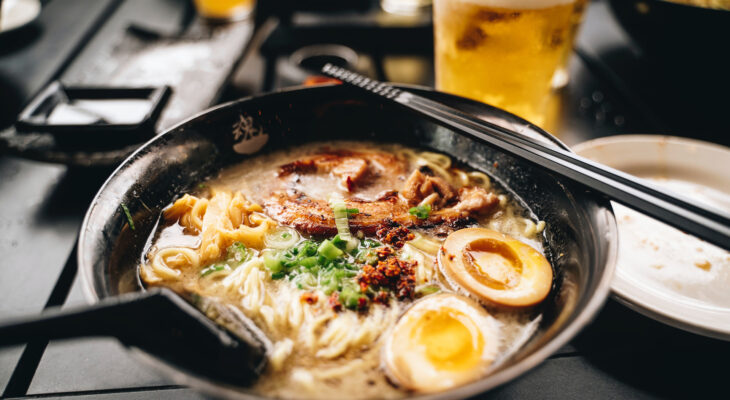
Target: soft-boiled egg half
{"x":496,"y":268}
{"x":442,"y":341}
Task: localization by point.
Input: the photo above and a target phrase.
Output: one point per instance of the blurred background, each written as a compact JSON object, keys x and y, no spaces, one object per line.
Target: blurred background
{"x":622,"y":70}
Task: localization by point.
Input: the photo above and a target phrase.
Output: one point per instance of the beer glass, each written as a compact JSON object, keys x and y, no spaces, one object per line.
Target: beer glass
{"x":504,"y":52}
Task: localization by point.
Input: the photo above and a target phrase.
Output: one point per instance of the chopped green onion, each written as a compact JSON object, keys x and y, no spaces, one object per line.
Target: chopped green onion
{"x":238,"y":252}
{"x":307,"y":248}
{"x":129,"y":216}
{"x":370,"y":243}
{"x":352,"y":211}
{"x":331,"y":265}
{"x":339,"y":242}
{"x":350,"y":296}
{"x":425,"y":290}
{"x":329,"y":282}
{"x":340,"y":211}
{"x":352,"y":244}
{"x":365,"y":256}
{"x":212,"y":269}
{"x":346,"y":244}
{"x":309,"y":262}
{"x":306,"y":281}
{"x":281,"y":238}
{"x":329,"y":250}
{"x":274,"y":264}
{"x":421,"y":212}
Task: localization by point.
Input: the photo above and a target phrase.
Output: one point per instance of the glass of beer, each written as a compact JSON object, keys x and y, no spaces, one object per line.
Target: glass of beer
{"x":224,"y":10}
{"x":504,"y":52}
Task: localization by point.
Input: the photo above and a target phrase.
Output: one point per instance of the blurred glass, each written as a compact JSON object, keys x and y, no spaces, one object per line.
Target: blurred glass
{"x":225,"y":10}
{"x":508,"y":53}
{"x":561,"y":77}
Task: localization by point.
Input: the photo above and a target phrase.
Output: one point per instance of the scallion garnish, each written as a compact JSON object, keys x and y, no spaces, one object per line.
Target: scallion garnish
{"x":370,"y":243}
{"x":129,"y":216}
{"x":329,"y":250}
{"x":421,"y":212}
{"x":425,"y":290}
{"x":281,"y":238}
{"x":341,"y":213}
{"x":212,"y":269}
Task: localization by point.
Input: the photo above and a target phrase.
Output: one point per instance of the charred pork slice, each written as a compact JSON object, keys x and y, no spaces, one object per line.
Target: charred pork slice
{"x":315,"y":217}
{"x":422,"y":184}
{"x":352,"y":168}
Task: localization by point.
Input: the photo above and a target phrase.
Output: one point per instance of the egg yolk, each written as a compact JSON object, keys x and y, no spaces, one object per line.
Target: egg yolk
{"x":493,"y":263}
{"x":449,"y":339}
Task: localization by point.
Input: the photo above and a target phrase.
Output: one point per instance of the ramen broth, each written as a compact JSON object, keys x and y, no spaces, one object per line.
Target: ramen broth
{"x":316,"y":350}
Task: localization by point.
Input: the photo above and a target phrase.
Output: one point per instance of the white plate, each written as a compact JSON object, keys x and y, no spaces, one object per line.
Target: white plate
{"x":18,"y":13}
{"x":662,"y":272}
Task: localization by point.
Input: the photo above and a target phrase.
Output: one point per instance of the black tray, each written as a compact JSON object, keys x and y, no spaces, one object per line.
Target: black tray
{"x":97,"y":123}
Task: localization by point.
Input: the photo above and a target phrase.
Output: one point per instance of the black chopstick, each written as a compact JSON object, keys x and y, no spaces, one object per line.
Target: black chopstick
{"x":710,"y":224}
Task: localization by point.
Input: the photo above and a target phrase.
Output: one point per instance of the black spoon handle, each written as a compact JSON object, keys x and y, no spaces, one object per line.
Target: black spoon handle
{"x":706,"y":223}
{"x":129,"y":317}
{"x":61,"y":324}
{"x":161,"y":323}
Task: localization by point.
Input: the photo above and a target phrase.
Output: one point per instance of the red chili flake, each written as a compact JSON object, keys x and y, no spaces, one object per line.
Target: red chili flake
{"x":391,"y":274}
{"x":309,"y":298}
{"x":451,"y":257}
{"x":495,"y":165}
{"x":382,"y":297}
{"x":391,"y":267}
{"x":384,"y":252}
{"x":349,"y":183}
{"x":362,"y":303}
{"x":334,"y":302}
{"x":394,"y":234}
{"x":371,"y":276}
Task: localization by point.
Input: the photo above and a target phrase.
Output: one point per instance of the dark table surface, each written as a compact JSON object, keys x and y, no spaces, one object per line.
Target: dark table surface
{"x":620,"y":355}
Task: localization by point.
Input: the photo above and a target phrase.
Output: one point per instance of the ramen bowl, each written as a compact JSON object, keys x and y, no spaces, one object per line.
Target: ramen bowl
{"x":579,"y":238}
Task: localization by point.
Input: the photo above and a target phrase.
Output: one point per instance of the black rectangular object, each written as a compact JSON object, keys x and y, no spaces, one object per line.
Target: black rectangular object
{"x":108,"y":115}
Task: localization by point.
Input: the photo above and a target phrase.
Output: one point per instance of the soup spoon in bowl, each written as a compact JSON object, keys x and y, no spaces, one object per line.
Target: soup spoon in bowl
{"x":193,"y":332}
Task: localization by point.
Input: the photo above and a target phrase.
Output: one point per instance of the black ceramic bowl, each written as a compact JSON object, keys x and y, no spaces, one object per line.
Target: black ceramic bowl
{"x":580,"y":236}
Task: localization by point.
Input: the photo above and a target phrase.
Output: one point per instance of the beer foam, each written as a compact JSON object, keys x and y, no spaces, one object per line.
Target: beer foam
{"x":520,"y":4}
